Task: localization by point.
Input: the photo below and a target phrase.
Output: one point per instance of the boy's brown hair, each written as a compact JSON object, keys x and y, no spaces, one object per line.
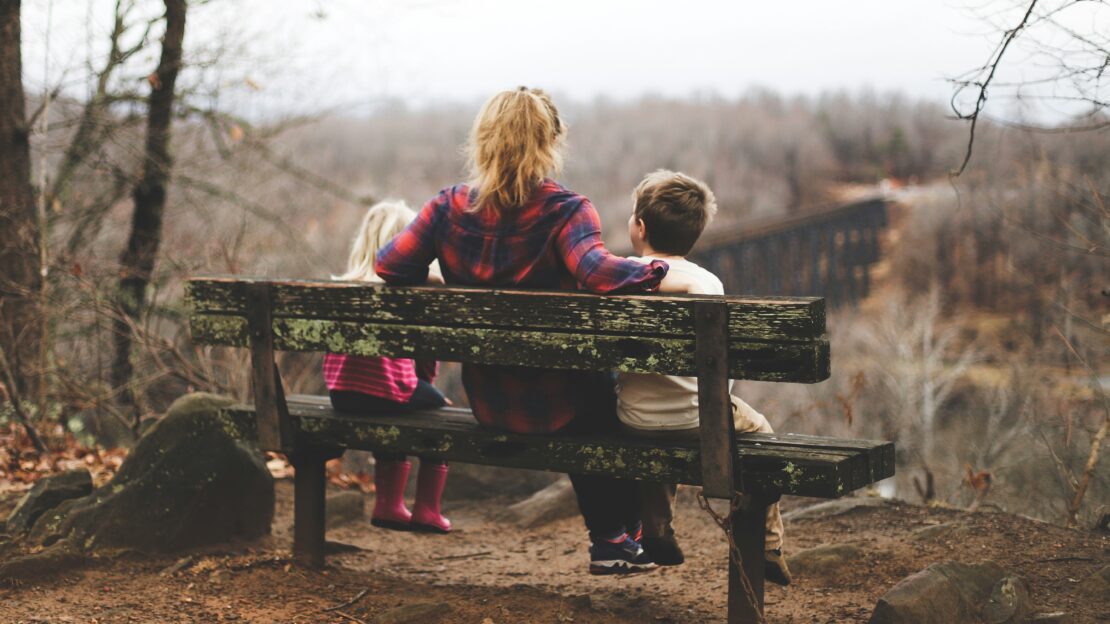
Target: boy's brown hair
{"x":675,"y":208}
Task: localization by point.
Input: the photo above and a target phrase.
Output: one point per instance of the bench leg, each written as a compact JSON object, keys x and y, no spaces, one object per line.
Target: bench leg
{"x":309,"y":483}
{"x":748,"y":527}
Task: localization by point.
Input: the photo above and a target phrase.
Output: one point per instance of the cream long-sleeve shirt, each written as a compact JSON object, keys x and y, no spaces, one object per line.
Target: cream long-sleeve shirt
{"x":662,"y":402}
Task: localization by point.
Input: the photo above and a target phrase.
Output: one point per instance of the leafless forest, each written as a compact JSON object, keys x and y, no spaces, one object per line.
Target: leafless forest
{"x":981,"y":351}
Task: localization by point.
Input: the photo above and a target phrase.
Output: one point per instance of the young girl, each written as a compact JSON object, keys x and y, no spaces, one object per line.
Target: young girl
{"x":361,"y":384}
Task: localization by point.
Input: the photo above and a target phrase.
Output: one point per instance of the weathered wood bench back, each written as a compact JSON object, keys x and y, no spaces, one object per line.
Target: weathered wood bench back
{"x":773,"y":339}
{"x":713,"y":338}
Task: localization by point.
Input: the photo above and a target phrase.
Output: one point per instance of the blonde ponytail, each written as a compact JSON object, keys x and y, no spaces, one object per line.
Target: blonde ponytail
{"x":516,"y":141}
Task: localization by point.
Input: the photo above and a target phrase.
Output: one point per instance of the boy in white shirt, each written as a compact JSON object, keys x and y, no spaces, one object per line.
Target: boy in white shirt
{"x":669,"y":212}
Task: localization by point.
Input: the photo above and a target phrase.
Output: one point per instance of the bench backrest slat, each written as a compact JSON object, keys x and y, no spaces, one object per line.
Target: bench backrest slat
{"x":772,"y":339}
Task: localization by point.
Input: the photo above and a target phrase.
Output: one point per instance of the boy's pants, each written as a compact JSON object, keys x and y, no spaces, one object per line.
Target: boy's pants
{"x":657,"y":499}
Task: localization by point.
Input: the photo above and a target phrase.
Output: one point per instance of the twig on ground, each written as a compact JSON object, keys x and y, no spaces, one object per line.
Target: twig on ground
{"x":350,"y":617}
{"x":465,"y":556}
{"x":259,"y":563}
{"x":178,"y":566}
{"x":349,"y":602}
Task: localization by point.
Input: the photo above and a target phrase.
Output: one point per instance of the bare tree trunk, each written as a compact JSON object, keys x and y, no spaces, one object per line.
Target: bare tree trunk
{"x":20,"y":270}
{"x":149,"y":196}
{"x":1088,"y":471}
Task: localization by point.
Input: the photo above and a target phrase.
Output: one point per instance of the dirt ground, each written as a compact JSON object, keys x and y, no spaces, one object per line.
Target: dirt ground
{"x":489,"y":573}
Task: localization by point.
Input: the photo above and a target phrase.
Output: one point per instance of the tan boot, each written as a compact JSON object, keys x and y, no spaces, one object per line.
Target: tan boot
{"x":775,"y":569}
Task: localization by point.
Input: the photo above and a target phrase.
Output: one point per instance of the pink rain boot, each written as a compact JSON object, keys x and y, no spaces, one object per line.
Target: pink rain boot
{"x":429,"y":488}
{"x":390,"y":477}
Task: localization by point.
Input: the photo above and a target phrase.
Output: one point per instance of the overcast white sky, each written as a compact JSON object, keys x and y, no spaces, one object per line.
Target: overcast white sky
{"x":352,"y":54}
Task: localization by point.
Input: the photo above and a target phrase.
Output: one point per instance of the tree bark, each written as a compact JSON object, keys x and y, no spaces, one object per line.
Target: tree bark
{"x":149,"y":197}
{"x":20,"y":270}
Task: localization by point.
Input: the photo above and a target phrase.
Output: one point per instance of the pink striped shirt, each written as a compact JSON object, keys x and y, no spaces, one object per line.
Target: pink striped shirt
{"x":393,"y":379}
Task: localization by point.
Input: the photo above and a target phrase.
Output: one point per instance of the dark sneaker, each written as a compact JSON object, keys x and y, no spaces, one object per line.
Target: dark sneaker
{"x":663,"y":550}
{"x":775,"y":570}
{"x":625,"y":557}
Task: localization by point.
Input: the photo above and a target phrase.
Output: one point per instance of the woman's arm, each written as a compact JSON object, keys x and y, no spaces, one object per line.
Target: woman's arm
{"x":594,"y":267}
{"x":406,"y":258}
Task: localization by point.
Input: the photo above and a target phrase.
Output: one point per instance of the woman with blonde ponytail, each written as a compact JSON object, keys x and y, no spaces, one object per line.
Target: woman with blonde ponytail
{"x":362,"y":384}
{"x":512,"y":225}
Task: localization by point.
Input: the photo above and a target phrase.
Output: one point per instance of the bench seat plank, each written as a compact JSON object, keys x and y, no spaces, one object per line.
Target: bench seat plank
{"x":750,"y":318}
{"x":772,"y":464}
{"x":802,"y":362}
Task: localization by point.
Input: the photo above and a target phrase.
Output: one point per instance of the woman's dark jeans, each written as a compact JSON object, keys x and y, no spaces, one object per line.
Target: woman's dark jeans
{"x":425,"y":396}
{"x":608,"y":505}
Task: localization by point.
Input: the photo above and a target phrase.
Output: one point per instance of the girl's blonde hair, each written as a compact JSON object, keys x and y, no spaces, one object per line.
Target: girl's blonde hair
{"x":516,"y":141}
{"x":383,"y":221}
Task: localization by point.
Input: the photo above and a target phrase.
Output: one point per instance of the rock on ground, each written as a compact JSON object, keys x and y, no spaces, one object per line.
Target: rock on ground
{"x":823,"y":561}
{"x":836,"y":508}
{"x":344,"y":508}
{"x":45,"y":495}
{"x":416,"y":613}
{"x":947,"y":531}
{"x":188,"y":482}
{"x":56,"y":557}
{"x":554,"y":502}
{"x":955,"y":592}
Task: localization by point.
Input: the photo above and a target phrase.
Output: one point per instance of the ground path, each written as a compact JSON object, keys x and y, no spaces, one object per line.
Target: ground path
{"x":489,"y":571}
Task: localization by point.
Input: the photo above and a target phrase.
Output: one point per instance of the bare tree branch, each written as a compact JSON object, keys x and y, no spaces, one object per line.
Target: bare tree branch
{"x":981,"y":101}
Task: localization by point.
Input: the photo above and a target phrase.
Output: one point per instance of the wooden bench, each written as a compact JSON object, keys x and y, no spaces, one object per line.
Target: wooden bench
{"x":714,"y":338}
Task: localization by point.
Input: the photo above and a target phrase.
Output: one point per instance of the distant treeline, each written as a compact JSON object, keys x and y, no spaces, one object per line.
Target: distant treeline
{"x":762,"y":153}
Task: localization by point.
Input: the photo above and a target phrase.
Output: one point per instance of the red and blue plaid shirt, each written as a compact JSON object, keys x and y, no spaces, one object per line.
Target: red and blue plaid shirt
{"x":553,"y":242}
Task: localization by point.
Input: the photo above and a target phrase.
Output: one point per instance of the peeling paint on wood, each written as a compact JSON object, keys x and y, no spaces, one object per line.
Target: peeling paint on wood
{"x":801,"y":362}
{"x":750,"y":318}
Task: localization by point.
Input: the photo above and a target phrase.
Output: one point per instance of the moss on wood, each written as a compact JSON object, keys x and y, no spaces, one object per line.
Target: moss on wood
{"x":819,"y":467}
{"x":802,"y":362}
{"x":750,"y":318}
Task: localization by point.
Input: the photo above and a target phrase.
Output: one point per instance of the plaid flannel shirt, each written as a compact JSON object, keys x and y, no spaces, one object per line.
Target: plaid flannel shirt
{"x":553,"y":242}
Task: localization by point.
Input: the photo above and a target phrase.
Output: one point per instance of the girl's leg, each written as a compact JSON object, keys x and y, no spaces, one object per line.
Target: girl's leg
{"x":391,"y":473}
{"x":426,"y":396}
{"x":430,"y":483}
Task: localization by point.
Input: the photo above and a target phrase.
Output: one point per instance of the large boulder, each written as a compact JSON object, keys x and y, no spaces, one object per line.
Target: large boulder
{"x":188,"y":482}
{"x":955,"y":592}
{"x":824,"y":561}
{"x":46,"y":494}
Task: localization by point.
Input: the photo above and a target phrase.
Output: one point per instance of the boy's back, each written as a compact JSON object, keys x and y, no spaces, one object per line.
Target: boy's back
{"x":660,"y":402}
